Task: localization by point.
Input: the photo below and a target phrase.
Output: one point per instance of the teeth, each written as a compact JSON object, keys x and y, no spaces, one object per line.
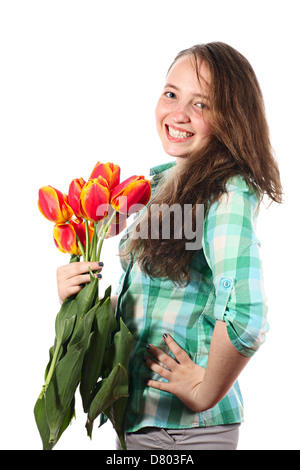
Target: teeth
{"x":178,"y":134}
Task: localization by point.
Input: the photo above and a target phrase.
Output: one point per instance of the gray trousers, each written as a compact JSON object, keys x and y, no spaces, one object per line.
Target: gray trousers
{"x":211,"y":438}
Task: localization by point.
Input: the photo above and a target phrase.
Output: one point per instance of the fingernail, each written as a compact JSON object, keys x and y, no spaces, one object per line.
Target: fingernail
{"x":99,"y":276}
{"x":100,"y":264}
{"x":165,"y":335}
{"x":147,"y":346}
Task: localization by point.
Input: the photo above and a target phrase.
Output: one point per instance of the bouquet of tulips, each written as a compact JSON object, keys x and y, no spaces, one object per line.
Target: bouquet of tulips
{"x":92,"y":347}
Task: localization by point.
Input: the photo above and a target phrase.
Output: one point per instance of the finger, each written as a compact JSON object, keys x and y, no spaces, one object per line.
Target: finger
{"x":160,"y":370}
{"x":72,"y":290}
{"x":81,"y":267}
{"x":165,"y":386}
{"x":161,"y":356}
{"x":180,"y":354}
{"x":85,"y":266}
{"x":79,"y":280}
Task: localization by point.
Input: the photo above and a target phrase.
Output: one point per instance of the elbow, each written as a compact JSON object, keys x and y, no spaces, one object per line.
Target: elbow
{"x":249,"y":347}
{"x":207,"y":402}
{"x":248,"y":340}
{"x":206,"y":405}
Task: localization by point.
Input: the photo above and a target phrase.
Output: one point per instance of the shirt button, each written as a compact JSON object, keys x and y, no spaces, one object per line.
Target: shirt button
{"x":226,"y":283}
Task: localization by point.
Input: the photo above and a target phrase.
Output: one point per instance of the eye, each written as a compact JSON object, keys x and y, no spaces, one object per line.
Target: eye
{"x":201,"y":105}
{"x":170,"y":94}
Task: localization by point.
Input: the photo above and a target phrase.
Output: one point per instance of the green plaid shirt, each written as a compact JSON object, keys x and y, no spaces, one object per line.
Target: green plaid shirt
{"x":225,"y":284}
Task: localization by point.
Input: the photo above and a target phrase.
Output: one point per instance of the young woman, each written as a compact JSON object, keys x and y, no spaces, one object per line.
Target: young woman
{"x":197,"y":316}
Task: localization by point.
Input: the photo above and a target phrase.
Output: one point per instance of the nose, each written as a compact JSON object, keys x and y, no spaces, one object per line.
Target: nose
{"x":180,"y":114}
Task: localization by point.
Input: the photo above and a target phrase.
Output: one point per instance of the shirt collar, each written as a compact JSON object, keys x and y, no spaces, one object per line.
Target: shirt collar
{"x":160,"y":168}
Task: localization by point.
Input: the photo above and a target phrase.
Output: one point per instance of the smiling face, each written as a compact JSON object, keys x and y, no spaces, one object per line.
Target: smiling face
{"x":183,"y":108}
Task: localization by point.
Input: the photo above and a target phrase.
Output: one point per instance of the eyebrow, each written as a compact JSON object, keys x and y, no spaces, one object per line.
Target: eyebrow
{"x":169,"y":85}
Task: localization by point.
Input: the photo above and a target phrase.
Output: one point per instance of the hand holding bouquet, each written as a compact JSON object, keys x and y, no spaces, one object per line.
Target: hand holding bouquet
{"x":92,"y":347}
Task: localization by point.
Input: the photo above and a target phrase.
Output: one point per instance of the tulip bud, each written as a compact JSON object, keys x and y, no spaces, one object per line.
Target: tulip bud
{"x":53,"y":205}
{"x":94,"y":199}
{"x":75,"y":189}
{"x":108,"y":171}
{"x":135,"y":191}
{"x":65,"y":237}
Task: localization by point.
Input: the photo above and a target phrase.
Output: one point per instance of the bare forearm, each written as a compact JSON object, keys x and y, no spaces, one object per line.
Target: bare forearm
{"x":224,"y":365}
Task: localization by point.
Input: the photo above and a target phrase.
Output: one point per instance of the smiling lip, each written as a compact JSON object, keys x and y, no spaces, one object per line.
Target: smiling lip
{"x":178,"y":139}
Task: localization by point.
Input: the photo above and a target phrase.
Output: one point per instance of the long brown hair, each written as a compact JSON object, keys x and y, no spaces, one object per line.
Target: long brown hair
{"x":240,"y":145}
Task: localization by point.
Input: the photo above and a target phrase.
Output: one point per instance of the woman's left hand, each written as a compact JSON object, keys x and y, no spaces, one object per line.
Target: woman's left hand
{"x":183,"y":375}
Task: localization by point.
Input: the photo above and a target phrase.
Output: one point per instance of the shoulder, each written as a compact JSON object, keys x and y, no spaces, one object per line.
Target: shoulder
{"x":234,"y":214}
{"x":239,"y":198}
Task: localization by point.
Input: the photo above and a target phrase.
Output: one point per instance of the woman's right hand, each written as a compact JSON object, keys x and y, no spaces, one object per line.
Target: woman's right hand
{"x":72,"y":276}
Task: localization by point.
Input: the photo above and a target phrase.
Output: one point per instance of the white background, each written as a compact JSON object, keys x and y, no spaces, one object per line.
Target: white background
{"x":79,"y":83}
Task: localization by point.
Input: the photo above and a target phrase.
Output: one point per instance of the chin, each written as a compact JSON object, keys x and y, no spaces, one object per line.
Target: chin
{"x":177,"y":154}
{"x":174,"y":152}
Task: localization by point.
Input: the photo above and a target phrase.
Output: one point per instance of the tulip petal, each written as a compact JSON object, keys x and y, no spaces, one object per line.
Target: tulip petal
{"x":108,"y":171}
{"x":65,"y":238}
{"x":115,"y":180}
{"x":94,"y":199}
{"x":80,"y":232}
{"x":118,"y":190}
{"x":75,"y":189}
{"x":49,"y":204}
{"x":136,"y":190}
{"x":53,"y":206}
{"x":101,"y":169}
{"x":137,"y":193}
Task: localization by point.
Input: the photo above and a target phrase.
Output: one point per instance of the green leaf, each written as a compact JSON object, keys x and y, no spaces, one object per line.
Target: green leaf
{"x":70,"y":414}
{"x":104,"y":325}
{"x":106,"y":294}
{"x":119,"y":353}
{"x":65,"y":320}
{"x":116,"y":413}
{"x":121,"y":348}
{"x":87,"y":297}
{"x":103,"y":419}
{"x":74,"y":258}
{"x":66,"y":376}
{"x":51,"y":351}
{"x":110,"y":389}
{"x":42,"y":422}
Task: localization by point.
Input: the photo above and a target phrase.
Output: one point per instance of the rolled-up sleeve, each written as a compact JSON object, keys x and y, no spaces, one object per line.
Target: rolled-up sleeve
{"x":231,"y":249}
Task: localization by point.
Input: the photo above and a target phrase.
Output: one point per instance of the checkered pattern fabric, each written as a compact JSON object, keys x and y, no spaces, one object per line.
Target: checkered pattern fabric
{"x":225,"y":284}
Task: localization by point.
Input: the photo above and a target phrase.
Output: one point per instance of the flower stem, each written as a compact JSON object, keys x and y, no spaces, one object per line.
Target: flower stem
{"x":95,"y":242}
{"x":51,"y":370}
{"x":103,"y":232}
{"x":81,"y":248}
{"x":87,"y":241}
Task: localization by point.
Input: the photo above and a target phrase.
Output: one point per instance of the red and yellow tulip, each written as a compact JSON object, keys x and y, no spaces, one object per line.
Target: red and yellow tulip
{"x":65,"y":237}
{"x":108,"y":171}
{"x":135,"y":190}
{"x":94,"y":199}
{"x":75,"y":189}
{"x":53,"y":205}
{"x":102,"y":201}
